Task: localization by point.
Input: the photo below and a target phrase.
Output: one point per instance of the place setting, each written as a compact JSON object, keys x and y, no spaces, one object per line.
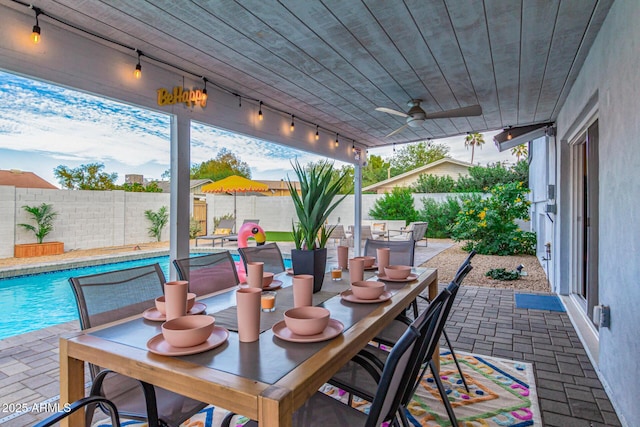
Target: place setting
{"x":159,"y":314}
{"x":366,"y":292}
{"x":183,"y":334}
{"x":306,"y":323}
{"x":397,"y":273}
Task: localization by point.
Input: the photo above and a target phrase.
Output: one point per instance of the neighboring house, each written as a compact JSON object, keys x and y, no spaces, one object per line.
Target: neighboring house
{"x":442,"y":167}
{"x":278,"y":188}
{"x":195,"y":186}
{"x":21,"y":179}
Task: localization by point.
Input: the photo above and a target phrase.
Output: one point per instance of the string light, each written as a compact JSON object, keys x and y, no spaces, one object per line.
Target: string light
{"x":36,"y":38}
{"x":509,"y":136}
{"x":137,"y":73}
{"x":353,"y":147}
{"x":35,"y":34}
{"x":204,"y":91}
{"x":394,"y":147}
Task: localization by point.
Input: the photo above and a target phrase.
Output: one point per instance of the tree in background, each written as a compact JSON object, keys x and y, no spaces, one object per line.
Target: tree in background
{"x":482,"y":178}
{"x":395,"y":205}
{"x":136,"y":187}
{"x":520,"y":151}
{"x":377,"y":170}
{"x":412,"y":156}
{"x":225,"y":164}
{"x":85,"y":177}
{"x":166,"y":174}
{"x":428,"y":183}
{"x":473,"y":140}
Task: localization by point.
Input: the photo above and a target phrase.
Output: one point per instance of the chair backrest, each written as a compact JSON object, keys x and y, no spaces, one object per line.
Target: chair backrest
{"x":208,"y":273}
{"x":419,"y":230}
{"x":268,"y":253}
{"x":402,"y":251}
{"x":466,"y":262}
{"x":89,"y":403}
{"x":394,"y":380}
{"x":105,"y":297}
{"x":226,"y":224}
{"x":255,"y":221}
{"x":337,"y":232}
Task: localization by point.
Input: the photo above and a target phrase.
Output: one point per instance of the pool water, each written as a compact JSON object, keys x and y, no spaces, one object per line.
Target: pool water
{"x":29,"y":303}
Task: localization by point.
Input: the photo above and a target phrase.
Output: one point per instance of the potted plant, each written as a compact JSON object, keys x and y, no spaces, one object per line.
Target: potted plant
{"x":43,"y":215}
{"x":318,"y":188}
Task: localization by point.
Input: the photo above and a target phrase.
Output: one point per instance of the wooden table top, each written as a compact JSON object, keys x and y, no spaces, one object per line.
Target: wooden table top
{"x":265,"y":380}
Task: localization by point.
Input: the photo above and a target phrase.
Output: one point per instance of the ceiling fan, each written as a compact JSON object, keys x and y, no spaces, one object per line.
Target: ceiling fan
{"x":416,"y":115}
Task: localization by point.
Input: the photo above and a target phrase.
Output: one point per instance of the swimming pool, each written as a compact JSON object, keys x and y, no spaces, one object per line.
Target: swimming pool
{"x":29,"y":303}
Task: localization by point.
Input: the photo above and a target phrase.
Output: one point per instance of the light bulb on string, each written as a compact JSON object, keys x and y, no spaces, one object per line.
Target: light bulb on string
{"x":35,"y":33}
{"x":509,"y":136}
{"x":293,"y":126}
{"x":337,"y":142}
{"x":317,"y":133}
{"x":204,"y":91}
{"x":260,"y":111}
{"x":137,"y":73}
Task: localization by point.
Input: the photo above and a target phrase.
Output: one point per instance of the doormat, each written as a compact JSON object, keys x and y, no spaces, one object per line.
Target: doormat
{"x":502,"y":394}
{"x":539,"y":302}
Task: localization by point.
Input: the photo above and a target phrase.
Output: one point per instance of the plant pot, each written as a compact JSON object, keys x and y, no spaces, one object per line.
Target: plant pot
{"x":312,"y":262}
{"x":28,"y":250}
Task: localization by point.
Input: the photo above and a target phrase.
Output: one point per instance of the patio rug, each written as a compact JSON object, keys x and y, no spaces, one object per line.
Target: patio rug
{"x":502,"y":393}
{"x":539,"y":302}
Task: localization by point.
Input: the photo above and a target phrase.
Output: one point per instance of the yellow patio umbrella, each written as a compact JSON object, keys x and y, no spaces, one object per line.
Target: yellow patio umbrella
{"x":235,"y":184}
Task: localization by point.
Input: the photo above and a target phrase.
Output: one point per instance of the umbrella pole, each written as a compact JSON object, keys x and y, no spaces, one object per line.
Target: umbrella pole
{"x":235,"y":217}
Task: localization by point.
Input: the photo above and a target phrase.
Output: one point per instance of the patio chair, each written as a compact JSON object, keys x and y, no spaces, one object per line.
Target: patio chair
{"x":361,"y":375}
{"x":208,"y":273}
{"x":223,"y":230}
{"x":89,"y":402}
{"x":402,"y":251}
{"x":323,"y":410}
{"x":379,"y":230}
{"x":415,"y":230}
{"x":338,"y":234}
{"x":107,"y":297}
{"x":268,"y":253}
{"x":365,"y":233}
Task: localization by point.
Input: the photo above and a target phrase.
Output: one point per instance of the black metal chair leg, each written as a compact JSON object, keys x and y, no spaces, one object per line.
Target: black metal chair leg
{"x":455,"y":359}
{"x":443,"y":394}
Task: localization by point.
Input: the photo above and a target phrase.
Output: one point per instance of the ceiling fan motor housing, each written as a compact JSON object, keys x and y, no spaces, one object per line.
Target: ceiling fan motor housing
{"x":416,"y":115}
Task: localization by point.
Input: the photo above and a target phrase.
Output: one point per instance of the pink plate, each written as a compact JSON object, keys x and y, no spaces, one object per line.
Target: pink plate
{"x":409,"y":278}
{"x":276,"y":284}
{"x":333,"y":329}
{"x":154,"y":315}
{"x":373,"y":267}
{"x":348,"y":296}
{"x":158,"y":345}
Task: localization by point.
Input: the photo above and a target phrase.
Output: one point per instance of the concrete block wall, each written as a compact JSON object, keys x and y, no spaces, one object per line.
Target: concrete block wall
{"x":86,"y":219}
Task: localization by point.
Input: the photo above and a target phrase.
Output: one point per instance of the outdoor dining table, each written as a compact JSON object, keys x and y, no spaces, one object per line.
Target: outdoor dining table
{"x":266,"y":380}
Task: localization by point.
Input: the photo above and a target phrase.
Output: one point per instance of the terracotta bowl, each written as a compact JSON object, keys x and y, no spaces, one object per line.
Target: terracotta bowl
{"x":188,"y":331}
{"x":368,"y":260}
{"x":191,"y":300}
{"x":267,"y":279}
{"x":306,"y":320}
{"x":397,"y":271}
{"x":367,"y":289}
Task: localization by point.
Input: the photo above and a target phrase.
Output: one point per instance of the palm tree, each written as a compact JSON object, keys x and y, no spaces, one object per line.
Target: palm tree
{"x":43,"y":215}
{"x":520,"y":151}
{"x":473,"y":139}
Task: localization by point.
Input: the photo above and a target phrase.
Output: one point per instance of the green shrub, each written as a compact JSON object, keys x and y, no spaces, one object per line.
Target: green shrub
{"x":395,"y":205}
{"x":502,"y":274}
{"x":440,"y":216}
{"x":488,"y":225}
{"x":483,"y":178}
{"x":158,"y":221}
{"x":43,"y":215}
{"x":194,"y":228}
{"x":427,"y":183}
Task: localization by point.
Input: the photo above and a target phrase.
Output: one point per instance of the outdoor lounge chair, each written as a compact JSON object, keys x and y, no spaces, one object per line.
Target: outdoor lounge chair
{"x":224,"y":229}
{"x":415,"y":230}
{"x":106,"y":297}
{"x":338,"y":235}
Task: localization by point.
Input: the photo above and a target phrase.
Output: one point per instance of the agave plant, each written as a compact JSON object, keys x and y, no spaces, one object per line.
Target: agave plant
{"x":315,"y":203}
{"x":43,"y":215}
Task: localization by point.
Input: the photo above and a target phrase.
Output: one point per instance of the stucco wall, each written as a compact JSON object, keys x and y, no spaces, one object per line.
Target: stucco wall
{"x":611,"y":73}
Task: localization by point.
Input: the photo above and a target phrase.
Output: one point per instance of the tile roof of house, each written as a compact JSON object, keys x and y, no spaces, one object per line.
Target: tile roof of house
{"x":22,"y":179}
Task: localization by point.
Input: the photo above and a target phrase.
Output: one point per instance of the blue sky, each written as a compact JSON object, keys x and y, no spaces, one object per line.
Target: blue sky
{"x":43,"y":126}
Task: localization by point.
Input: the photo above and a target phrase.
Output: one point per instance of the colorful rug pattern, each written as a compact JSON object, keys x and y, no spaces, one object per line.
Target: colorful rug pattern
{"x":502,"y":393}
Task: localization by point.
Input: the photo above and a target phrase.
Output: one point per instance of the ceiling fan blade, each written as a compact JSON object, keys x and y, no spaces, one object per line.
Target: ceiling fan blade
{"x":401,"y":128}
{"x":472,"y":110}
{"x":390,"y":111}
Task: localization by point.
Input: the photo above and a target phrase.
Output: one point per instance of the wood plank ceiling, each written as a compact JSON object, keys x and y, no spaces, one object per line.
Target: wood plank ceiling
{"x":332,"y":62}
